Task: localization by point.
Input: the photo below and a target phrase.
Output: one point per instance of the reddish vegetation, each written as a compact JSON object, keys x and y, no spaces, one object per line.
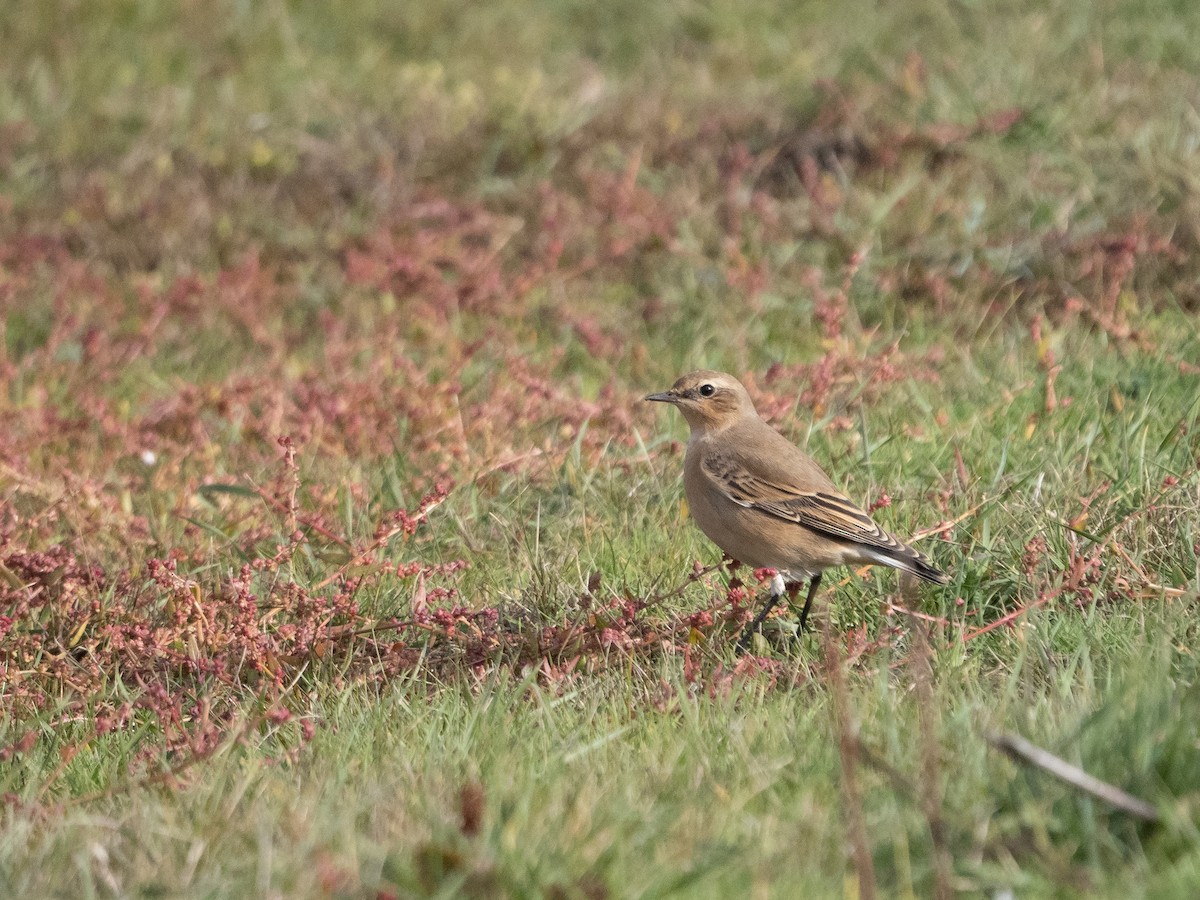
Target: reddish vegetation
{"x":143,"y":408}
{"x":190,"y":650}
{"x":108,"y":419}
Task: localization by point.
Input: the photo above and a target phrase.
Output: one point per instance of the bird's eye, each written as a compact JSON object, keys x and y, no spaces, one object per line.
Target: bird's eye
{"x":707,"y":390}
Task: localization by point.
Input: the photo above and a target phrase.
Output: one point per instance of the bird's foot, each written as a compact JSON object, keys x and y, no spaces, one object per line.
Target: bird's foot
{"x":793,"y":591}
{"x":777,"y":592}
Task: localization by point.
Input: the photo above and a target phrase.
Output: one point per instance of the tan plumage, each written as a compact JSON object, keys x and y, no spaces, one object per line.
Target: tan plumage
{"x":764,"y":501}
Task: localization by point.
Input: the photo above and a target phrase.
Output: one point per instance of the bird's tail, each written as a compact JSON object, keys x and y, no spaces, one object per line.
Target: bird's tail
{"x":907,"y":559}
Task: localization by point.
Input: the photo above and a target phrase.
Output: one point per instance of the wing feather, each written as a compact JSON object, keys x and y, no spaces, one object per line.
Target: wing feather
{"x":826,"y":512}
{"x":755,"y":481}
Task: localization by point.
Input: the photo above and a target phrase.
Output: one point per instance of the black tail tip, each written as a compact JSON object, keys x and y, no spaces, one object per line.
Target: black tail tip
{"x":929,"y":573}
{"x":922,"y":566}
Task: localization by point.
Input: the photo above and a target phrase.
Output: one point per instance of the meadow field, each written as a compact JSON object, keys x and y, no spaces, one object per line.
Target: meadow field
{"x":339,"y":556}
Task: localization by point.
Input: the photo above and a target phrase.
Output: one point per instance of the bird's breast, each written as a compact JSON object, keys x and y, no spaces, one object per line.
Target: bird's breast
{"x":734,"y":528}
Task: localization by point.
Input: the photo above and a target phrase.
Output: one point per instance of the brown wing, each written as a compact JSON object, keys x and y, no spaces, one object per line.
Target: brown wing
{"x":825,"y":511}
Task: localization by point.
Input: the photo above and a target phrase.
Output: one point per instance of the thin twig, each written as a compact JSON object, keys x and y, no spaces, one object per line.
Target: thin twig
{"x":943,"y":527}
{"x":848,"y":745}
{"x":1026,"y":751}
{"x":692,"y":578}
{"x":1147,"y":582}
{"x":899,"y":781}
{"x":912,"y":613}
{"x":931,"y":775}
{"x":1010,"y":617}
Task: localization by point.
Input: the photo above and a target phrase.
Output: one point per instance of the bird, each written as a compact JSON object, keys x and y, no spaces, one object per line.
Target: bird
{"x":766,"y":503}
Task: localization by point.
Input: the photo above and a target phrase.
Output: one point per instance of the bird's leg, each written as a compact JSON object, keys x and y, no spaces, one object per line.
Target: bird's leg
{"x":813,"y":583}
{"x":777,"y":591}
{"x":793,"y":590}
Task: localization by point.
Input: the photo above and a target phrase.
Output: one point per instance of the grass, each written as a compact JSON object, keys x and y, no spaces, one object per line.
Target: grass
{"x":339,"y":558}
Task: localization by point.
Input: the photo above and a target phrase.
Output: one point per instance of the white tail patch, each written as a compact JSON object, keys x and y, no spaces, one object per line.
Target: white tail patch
{"x":917,"y":565}
{"x":876,"y":557}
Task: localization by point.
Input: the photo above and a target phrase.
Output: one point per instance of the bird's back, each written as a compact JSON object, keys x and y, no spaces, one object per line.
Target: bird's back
{"x":767,"y":455}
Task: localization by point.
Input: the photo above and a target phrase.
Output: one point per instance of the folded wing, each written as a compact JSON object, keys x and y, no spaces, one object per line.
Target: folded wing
{"x":824,"y":511}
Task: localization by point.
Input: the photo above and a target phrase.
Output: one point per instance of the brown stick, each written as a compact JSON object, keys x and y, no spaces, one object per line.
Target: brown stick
{"x":931,"y":780}
{"x":1026,"y":751}
{"x":848,"y":752}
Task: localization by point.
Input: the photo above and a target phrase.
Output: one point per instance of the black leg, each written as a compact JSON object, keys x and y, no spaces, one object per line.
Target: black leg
{"x":743,"y":643}
{"x":813,"y":583}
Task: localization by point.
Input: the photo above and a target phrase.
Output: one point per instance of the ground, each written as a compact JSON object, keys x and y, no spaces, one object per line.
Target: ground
{"x":340,"y":558}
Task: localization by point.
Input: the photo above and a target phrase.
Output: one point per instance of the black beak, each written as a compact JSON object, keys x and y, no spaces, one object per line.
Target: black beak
{"x":664,"y":397}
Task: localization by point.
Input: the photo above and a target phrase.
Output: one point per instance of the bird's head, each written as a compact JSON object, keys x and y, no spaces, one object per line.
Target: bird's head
{"x":710,"y":401}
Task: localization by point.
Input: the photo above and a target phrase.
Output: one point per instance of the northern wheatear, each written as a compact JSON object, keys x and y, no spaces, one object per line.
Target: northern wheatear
{"x":765,"y":502}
